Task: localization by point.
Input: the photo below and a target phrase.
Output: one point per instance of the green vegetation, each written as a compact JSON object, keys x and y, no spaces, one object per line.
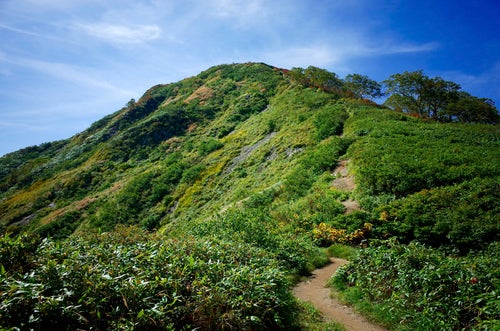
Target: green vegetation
{"x":418,"y":288}
{"x":124,"y":280}
{"x":362,"y":86}
{"x":461,"y":217}
{"x":424,"y":181}
{"x":436,"y":201}
{"x":199,"y":205}
{"x":415,"y":93}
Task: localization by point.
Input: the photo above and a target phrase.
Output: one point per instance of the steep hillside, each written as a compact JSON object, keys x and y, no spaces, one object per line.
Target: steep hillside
{"x":181,"y":153}
{"x":164,"y":139}
{"x":196,"y":204}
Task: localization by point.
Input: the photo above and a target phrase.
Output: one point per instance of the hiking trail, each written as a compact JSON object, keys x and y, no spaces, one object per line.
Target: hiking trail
{"x":345,"y":182}
{"x":314,"y":290}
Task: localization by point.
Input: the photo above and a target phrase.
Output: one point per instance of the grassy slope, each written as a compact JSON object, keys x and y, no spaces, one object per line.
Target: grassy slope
{"x":242,"y":135}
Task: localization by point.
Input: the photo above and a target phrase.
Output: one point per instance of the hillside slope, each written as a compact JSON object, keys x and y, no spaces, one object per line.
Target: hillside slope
{"x":163,"y":139}
{"x":182,"y":152}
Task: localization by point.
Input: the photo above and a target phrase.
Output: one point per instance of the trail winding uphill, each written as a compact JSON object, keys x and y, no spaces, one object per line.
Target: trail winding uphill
{"x":314,"y":290}
{"x":345,"y":182}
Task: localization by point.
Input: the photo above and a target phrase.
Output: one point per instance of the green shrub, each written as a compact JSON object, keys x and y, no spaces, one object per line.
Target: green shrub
{"x":208,"y":146}
{"x":17,"y":253}
{"x":402,"y":157}
{"x":329,"y":120}
{"x":441,"y":292}
{"x":190,"y":175}
{"x":306,"y":212}
{"x":463,"y":216}
{"x":313,"y":163}
{"x":62,"y":227}
{"x":115,"y":281}
{"x":294,"y":252}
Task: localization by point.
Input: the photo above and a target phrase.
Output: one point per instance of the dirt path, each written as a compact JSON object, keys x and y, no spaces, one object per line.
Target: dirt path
{"x":314,"y":288}
{"x":350,"y":206}
{"x":314,"y":291}
{"x":345,"y":182}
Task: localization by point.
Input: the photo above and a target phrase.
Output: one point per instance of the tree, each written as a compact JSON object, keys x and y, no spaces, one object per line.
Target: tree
{"x":323,"y":79}
{"x":316,"y":77}
{"x":297,"y":75}
{"x":416,"y":93}
{"x":437,"y":94}
{"x":470,"y":109}
{"x":362,"y":86}
{"x":131,"y":103}
{"x":406,"y":89}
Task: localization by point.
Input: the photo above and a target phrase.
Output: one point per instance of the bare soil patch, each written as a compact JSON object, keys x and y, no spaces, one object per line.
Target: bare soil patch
{"x":343,"y":181}
{"x":350,"y":206}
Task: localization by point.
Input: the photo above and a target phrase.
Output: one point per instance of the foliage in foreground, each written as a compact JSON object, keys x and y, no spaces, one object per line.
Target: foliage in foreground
{"x":119,"y":281}
{"x":418,"y":288}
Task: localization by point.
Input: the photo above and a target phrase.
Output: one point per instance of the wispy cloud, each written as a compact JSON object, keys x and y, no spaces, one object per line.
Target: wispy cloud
{"x":55,"y":4}
{"x":121,"y":34}
{"x":19,"y":124}
{"x":236,"y":8}
{"x":20,"y":31}
{"x":402,"y":48}
{"x":71,"y":73}
{"x":327,"y":53}
{"x":302,"y":56}
{"x":485,"y":84}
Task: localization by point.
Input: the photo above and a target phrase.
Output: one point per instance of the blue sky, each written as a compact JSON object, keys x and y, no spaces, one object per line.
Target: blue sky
{"x":66,"y":63}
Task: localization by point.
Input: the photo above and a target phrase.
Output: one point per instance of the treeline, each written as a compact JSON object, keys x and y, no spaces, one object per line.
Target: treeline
{"x":409,"y":92}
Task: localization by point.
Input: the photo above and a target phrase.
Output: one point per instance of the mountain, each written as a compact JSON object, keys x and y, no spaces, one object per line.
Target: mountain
{"x":182,"y":152}
{"x":279,"y":161}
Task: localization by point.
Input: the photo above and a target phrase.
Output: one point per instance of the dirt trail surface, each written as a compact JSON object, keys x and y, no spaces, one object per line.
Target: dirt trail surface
{"x":315,"y":291}
{"x":345,"y":182}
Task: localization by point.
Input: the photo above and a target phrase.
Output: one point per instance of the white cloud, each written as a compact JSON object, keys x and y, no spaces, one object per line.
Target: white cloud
{"x":485,"y":84}
{"x":337,"y":53}
{"x":250,"y":15}
{"x":21,"y":124}
{"x":20,"y":31}
{"x":117,"y":33}
{"x":53,"y":4}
